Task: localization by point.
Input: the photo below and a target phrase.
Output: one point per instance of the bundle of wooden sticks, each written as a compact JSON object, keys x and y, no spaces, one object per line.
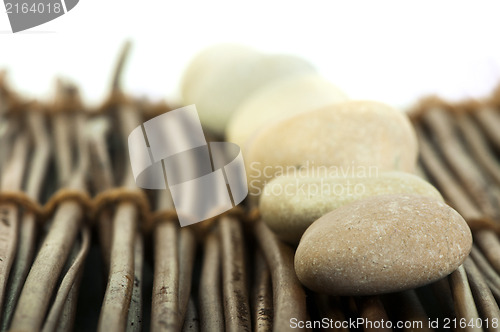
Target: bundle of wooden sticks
{"x":82,"y":248}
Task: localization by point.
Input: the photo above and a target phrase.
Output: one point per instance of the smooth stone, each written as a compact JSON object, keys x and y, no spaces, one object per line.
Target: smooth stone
{"x":221,"y":78}
{"x":291,"y":203}
{"x":382,"y":244}
{"x":278,"y":100}
{"x":360,"y":133}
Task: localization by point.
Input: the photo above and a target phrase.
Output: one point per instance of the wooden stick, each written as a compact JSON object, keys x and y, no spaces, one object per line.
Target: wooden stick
{"x":490,"y":246}
{"x":262,"y":295}
{"x":465,"y":307}
{"x":372,"y":310}
{"x":448,"y":186}
{"x":102,"y":179}
{"x":118,"y":294}
{"x":192,"y":322}
{"x":48,"y":265}
{"x":69,"y":311}
{"x":487,"y":270}
{"x":490,"y":122}
{"x":478,"y":146}
{"x":67,"y":283}
{"x":234,"y":278}
{"x":27,"y":234}
{"x":135,"y":310}
{"x":210,"y":297}
{"x":187,"y":251}
{"x":459,"y":161}
{"x":289,"y":295}
{"x":484,"y":298}
{"x":9,"y":213}
{"x":165,"y":306}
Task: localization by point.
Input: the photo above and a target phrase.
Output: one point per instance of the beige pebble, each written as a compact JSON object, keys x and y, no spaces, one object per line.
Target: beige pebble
{"x":382,"y":244}
{"x":280,"y":99}
{"x":291,"y":203}
{"x":349,"y":134}
{"x":221,"y":77}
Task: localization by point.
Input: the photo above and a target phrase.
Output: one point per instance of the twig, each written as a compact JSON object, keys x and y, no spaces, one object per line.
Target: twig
{"x":478,"y":146}
{"x":465,"y":307}
{"x":116,"y":81}
{"x":210,"y":293}
{"x":27,"y":234}
{"x":48,"y":265}
{"x":438,"y":172}
{"x":490,"y":122}
{"x":120,"y":285}
{"x":234,"y":278}
{"x":485,"y":267}
{"x":289,"y":296}
{"x":192,"y":322}
{"x":135,"y":310}
{"x":482,"y":294}
{"x":69,"y":311}
{"x":102,"y":179}
{"x":67,"y":283}
{"x":118,"y":294}
{"x":459,"y":161}
{"x":9,"y":213}
{"x":262,"y":295}
{"x":165,"y":306}
{"x":187,"y":251}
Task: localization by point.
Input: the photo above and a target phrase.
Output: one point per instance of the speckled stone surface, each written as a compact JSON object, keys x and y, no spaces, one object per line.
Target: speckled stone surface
{"x":291,"y":203}
{"x":359,"y":133}
{"x":382,"y":244}
{"x":224,"y":75}
{"x":280,"y":99}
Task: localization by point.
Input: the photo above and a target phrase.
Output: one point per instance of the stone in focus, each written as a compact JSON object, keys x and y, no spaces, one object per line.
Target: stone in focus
{"x":382,"y":244}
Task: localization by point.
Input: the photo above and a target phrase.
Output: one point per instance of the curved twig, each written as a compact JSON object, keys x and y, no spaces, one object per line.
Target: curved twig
{"x":67,"y":283}
{"x":465,"y":306}
{"x":289,"y":295}
{"x":234,"y":278}
{"x":210,"y":293}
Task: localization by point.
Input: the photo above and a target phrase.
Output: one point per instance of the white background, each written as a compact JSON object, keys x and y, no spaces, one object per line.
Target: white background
{"x":391,"y":51}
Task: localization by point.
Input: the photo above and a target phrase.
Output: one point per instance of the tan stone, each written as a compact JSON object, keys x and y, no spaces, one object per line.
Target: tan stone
{"x":382,"y":244}
{"x":291,"y":203}
{"x":278,"y":100}
{"x":353,"y":133}
{"x":223,"y":76}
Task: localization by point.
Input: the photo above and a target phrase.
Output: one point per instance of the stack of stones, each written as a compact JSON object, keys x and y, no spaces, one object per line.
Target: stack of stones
{"x":333,"y":177}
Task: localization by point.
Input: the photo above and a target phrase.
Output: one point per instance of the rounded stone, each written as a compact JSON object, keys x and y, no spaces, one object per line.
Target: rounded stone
{"x":223,"y":76}
{"x":278,"y":100}
{"x":382,"y":244}
{"x":353,"y":133}
{"x":289,"y":204}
